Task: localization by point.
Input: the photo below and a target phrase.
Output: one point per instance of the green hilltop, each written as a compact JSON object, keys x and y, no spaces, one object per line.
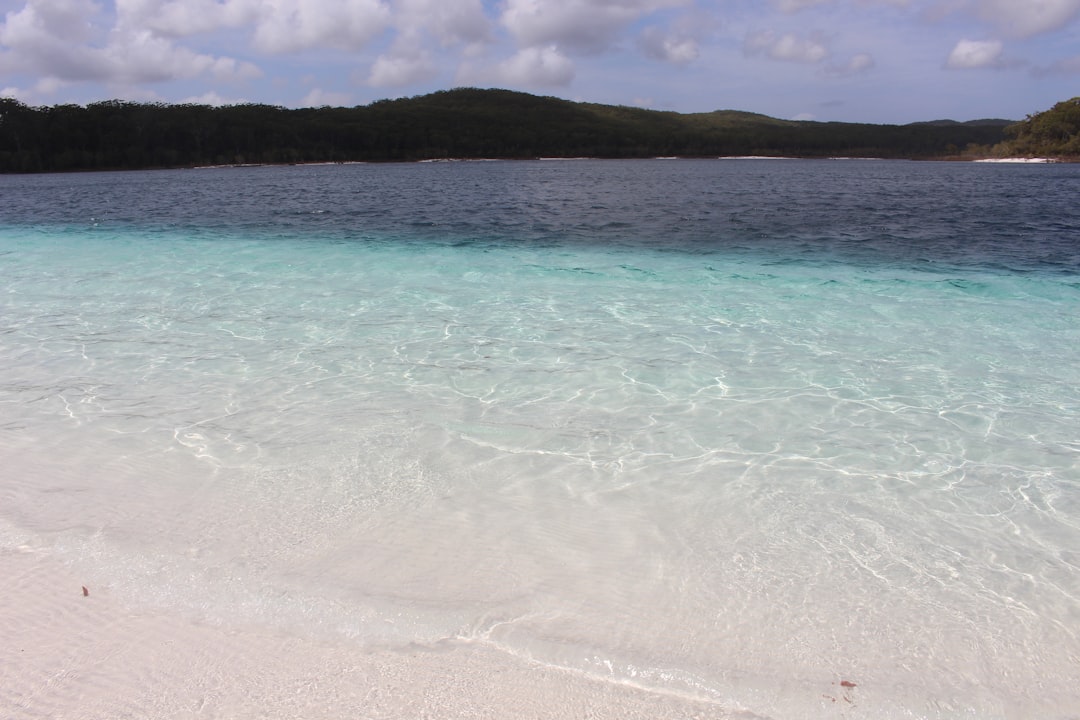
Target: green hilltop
{"x":1053,"y":133}
{"x":459,"y":123}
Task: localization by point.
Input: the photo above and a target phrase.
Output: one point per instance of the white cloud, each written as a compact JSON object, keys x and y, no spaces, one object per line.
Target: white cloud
{"x":450,"y":21}
{"x":1026,"y":18}
{"x":50,"y":19}
{"x":583,"y":26}
{"x":857,"y":64}
{"x":230,"y":69}
{"x":213,"y":99}
{"x":419,"y":23}
{"x":975,"y":54}
{"x":34,"y":95}
{"x":403,"y":67}
{"x":37,"y":37}
{"x":545,"y":67}
{"x":142,"y":57}
{"x":788,"y":47}
{"x":668,"y":45}
{"x":57,"y":40}
{"x":293,"y":25}
{"x":181,"y":18}
{"x":679,"y":41}
{"x":49,"y":85}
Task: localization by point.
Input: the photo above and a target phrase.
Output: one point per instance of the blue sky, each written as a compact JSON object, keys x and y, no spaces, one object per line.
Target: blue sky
{"x":881,"y":61}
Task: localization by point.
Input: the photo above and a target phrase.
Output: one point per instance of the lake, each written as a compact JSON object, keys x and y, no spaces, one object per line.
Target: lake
{"x":742,"y":438}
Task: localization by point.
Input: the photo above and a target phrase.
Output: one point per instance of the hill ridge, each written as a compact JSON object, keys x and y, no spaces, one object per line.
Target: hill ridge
{"x":457,"y":123}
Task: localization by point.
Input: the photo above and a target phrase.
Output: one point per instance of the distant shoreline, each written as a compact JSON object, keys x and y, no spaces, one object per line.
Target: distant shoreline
{"x":462,"y":123}
{"x":447,"y":160}
{"x":439,"y":161}
{"x":1022,"y":160}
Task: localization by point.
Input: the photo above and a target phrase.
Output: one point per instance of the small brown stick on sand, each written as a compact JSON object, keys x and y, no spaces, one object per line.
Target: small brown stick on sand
{"x":85,"y":592}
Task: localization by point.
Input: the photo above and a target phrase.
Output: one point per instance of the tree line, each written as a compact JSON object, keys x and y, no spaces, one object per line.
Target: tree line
{"x":1053,"y":133}
{"x":460,"y":123}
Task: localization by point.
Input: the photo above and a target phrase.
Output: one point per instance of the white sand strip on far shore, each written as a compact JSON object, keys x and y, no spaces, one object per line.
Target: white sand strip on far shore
{"x":66,"y":655}
{"x":1014,"y":160}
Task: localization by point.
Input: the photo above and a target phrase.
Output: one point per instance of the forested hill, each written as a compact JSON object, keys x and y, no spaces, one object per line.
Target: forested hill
{"x":461,"y":123}
{"x":1052,"y":133}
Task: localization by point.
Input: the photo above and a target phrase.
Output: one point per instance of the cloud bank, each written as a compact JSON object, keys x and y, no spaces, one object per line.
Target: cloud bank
{"x":341,"y":51}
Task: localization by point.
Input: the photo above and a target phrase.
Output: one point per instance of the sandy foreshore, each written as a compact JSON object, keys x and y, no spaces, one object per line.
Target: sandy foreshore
{"x":70,"y":655}
{"x":1018,"y":160}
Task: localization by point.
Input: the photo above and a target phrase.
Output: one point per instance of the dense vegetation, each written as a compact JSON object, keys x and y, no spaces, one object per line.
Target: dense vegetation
{"x":1053,"y":133}
{"x":461,"y":123}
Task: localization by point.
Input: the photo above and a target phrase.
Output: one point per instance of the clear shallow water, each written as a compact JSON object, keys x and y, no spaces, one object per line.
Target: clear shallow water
{"x":734,"y":429}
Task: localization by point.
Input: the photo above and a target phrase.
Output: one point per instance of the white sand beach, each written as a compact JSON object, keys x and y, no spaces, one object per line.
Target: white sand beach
{"x":1017,"y":160}
{"x":70,"y":655}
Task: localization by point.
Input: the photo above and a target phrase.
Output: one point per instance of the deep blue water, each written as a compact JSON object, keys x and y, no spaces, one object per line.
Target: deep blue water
{"x":1018,"y":218}
{"x":729,"y":428}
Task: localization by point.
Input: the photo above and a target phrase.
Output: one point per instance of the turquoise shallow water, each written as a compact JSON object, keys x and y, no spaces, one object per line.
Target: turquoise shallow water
{"x":737,"y":429}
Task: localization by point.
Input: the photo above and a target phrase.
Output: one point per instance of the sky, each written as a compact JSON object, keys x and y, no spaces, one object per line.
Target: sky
{"x":877,"y":61}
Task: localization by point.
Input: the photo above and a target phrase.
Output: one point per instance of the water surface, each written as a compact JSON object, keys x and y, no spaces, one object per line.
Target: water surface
{"x":739,"y":430}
